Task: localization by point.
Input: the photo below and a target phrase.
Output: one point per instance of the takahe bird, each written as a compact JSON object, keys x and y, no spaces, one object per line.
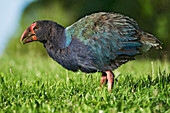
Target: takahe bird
{"x":100,"y":42}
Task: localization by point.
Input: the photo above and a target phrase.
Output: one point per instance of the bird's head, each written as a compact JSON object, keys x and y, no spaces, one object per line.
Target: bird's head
{"x":38,"y":31}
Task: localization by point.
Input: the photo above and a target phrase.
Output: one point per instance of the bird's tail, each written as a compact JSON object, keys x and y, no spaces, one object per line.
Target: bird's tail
{"x":149,"y":41}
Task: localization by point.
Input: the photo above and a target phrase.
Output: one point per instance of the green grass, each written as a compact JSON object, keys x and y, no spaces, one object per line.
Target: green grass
{"x":31,"y":83}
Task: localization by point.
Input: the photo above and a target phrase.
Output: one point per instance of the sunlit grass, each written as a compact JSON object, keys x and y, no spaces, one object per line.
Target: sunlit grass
{"x":32,"y":83}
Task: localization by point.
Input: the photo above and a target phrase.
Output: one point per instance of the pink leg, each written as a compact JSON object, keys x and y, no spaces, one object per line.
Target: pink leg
{"x":103,"y":79}
{"x":110,"y":78}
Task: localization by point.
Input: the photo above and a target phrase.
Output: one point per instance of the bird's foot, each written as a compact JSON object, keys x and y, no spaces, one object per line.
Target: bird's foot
{"x":103,"y":81}
{"x":110,"y":78}
{"x":107,"y":77}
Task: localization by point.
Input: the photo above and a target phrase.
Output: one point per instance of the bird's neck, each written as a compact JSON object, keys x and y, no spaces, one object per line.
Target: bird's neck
{"x":56,"y":45}
{"x":57,"y":40}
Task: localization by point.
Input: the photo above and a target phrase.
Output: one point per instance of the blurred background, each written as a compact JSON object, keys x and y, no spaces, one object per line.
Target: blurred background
{"x":31,"y":81}
{"x":151,"y":15}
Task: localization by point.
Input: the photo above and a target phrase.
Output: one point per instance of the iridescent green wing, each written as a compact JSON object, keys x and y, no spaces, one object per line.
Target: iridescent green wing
{"x":109,"y":35}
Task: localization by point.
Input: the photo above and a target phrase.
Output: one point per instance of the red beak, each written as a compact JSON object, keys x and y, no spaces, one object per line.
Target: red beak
{"x":28,"y":35}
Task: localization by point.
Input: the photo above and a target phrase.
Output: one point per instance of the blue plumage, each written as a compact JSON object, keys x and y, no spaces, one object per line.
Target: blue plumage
{"x":98,"y":42}
{"x":108,"y":36}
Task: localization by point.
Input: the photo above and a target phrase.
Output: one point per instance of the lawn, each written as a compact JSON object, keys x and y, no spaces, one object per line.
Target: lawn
{"x":34,"y":83}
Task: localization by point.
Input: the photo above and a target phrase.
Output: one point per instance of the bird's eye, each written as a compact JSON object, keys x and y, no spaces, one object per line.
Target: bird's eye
{"x":36,"y":28}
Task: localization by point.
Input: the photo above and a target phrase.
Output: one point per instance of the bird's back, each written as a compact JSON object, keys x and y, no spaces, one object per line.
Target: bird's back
{"x":112,"y":40}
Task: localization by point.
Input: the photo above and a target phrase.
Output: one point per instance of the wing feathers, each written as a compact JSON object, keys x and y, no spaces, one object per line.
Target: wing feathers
{"x":114,"y":39}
